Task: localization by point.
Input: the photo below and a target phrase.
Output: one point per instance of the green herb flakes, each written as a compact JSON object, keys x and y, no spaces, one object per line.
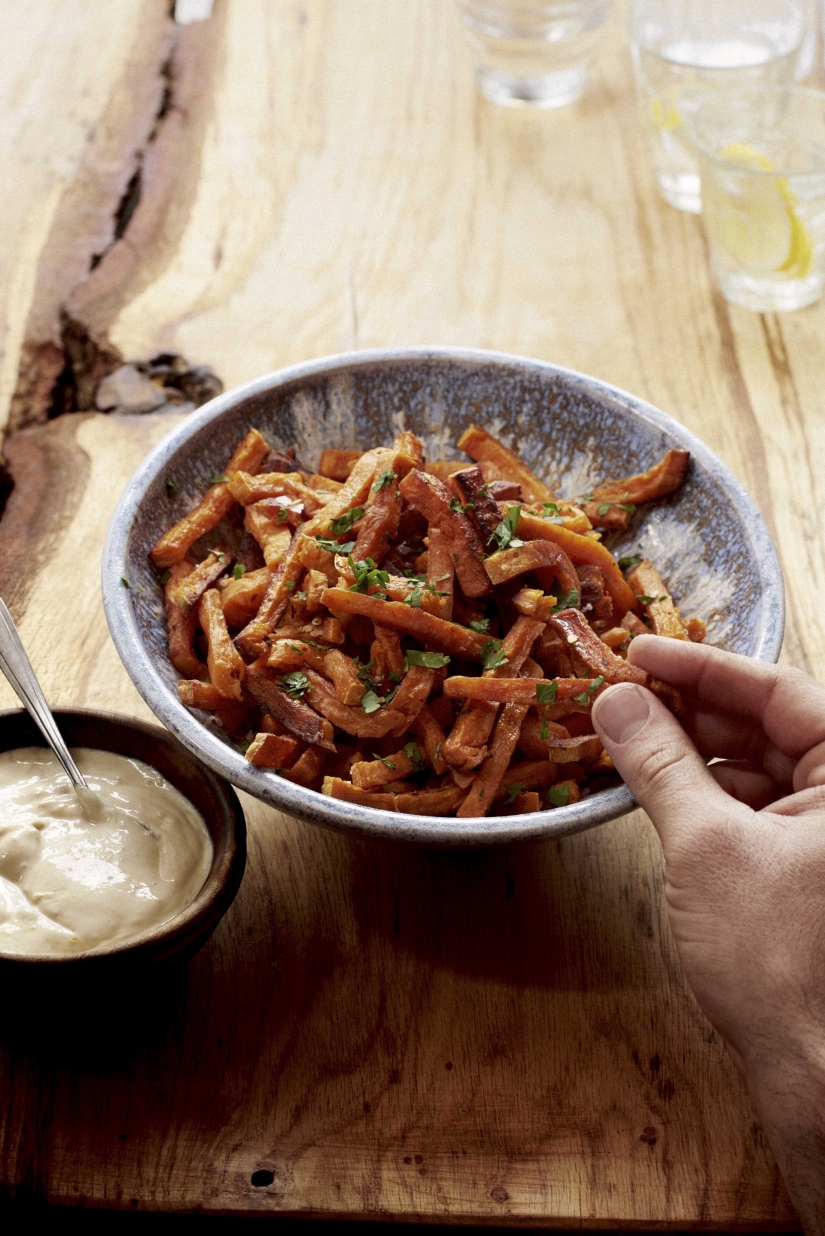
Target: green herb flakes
{"x":505,"y":534}
{"x":383,"y":480}
{"x":165,"y":577}
{"x":125,"y":582}
{"x":334,"y":547}
{"x":631,"y":560}
{"x":414,"y":756}
{"x":218,"y":478}
{"x":559,"y":795}
{"x":384,"y":760}
{"x":430,"y":660}
{"x":568,"y":600}
{"x":546,"y":692}
{"x":491,"y":655}
{"x":480,"y":625}
{"x":344,"y":522}
{"x":171,"y":487}
{"x":514,"y":788}
{"x":238,"y":570}
{"x":370,"y":702}
{"x":295,"y":684}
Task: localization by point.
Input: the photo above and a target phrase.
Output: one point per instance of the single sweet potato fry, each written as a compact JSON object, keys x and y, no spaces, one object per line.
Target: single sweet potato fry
{"x":441,"y":801}
{"x":298,"y":717}
{"x":634,"y":625}
{"x":387,"y":654}
{"x":273,"y":534}
{"x":341,"y":671}
{"x":409,"y":444}
{"x":307,"y":768}
{"x":583,"y":549}
{"x":315,"y":583}
{"x":482,"y":792}
{"x":587,"y":652}
{"x":437,"y":596}
{"x":336,"y":787}
{"x":531,"y":741}
{"x":520,"y":690}
{"x":432,"y":498}
{"x":290,"y":654}
{"x":226,"y":669}
{"x":526,"y":601}
{"x":434,"y":632}
{"x":217,"y":502}
{"x":200,"y":695}
{"x":378,"y":528}
{"x":182,"y":627}
{"x":272,"y":751}
{"x":337,"y":465}
{"x":583,"y":749}
{"x":663,"y":479}
{"x":316,"y":559}
{"x":548,"y":560}
{"x":527,"y":775}
{"x":522,"y":804}
{"x":615,"y":637}
{"x":254,"y":638}
{"x":352,"y":720}
{"x":426,"y":727}
{"x":411,"y":696}
{"x":241,"y":598}
{"x":484,"y":448}
{"x":473,"y":490}
{"x":233,"y":716}
{"x":370,"y":774}
{"x":249,"y":490}
{"x":608,"y":515}
{"x":665,"y":618}
{"x":193,"y":585}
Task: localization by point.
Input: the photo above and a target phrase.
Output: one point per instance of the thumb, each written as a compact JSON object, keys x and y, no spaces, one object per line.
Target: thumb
{"x":660,"y":765}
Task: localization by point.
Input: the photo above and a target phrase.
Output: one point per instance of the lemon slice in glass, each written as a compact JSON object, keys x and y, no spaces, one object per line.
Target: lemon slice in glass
{"x":761,"y":228}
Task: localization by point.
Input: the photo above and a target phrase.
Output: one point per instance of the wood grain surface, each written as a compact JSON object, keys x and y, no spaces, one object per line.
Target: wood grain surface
{"x":500,"y":1038}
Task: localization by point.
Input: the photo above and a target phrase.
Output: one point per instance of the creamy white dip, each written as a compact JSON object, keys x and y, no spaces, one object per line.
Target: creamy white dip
{"x":77,"y":874}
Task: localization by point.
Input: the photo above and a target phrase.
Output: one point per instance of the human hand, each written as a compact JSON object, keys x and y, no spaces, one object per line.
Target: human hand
{"x":744,"y":847}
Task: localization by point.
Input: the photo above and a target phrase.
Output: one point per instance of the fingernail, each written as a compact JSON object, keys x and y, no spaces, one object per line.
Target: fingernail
{"x":621,"y":712}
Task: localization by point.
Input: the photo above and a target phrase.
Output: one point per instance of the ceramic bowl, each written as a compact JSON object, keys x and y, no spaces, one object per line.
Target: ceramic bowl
{"x":179,"y":938}
{"x":709,"y":540}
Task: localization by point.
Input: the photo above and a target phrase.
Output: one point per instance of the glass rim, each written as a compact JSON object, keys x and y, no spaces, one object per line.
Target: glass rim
{"x":637,"y":42}
{"x":732,"y":93}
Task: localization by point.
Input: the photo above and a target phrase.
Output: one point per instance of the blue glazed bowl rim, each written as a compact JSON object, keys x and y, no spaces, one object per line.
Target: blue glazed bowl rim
{"x":295,"y":800}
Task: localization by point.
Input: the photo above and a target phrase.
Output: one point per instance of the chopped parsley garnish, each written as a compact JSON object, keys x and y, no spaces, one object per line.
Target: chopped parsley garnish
{"x":294,"y":684}
{"x":414,"y":756}
{"x":414,"y":599}
{"x":218,"y":478}
{"x":559,"y":795}
{"x":125,"y":582}
{"x":492,"y":656}
{"x":514,"y":788}
{"x":505,"y":534}
{"x":587,"y":498}
{"x":604,"y":507}
{"x":283,"y":515}
{"x":437,"y":751}
{"x":171,"y":487}
{"x":483,"y":490}
{"x":238,"y":570}
{"x":546,"y":692}
{"x":290,"y":583}
{"x":569,"y":600}
{"x":544,"y":732}
{"x":384,"y":760}
{"x":590,"y":690}
{"x":455,"y":505}
{"x":430,"y":660}
{"x":412,"y":577}
{"x":627,"y":506}
{"x":644,"y":600}
{"x":367,"y":576}
{"x":167,"y":575}
{"x":393,"y":676}
{"x":383,"y":480}
{"x":334,"y":547}
{"x":344,"y":522}
{"x":243,"y":746}
{"x":300,"y":596}
{"x":631,"y":560}
{"x":550,"y":511}
{"x":480,"y":625}
{"x":370,"y":702}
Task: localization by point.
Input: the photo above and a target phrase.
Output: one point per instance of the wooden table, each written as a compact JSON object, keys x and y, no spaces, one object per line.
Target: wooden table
{"x":493,"y":1038}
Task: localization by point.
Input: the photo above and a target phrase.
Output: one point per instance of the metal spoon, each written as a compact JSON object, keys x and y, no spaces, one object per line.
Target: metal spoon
{"x":17,"y":668}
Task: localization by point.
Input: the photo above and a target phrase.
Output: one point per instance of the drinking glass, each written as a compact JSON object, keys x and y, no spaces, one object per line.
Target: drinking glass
{"x":684,"y":47}
{"x":762,"y":164}
{"x":532,"y":53}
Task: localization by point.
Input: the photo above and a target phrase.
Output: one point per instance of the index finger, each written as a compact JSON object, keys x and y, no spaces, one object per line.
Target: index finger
{"x":788,"y":704}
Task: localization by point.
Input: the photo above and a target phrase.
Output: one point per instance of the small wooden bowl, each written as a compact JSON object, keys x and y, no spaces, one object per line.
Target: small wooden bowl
{"x":180,"y":938}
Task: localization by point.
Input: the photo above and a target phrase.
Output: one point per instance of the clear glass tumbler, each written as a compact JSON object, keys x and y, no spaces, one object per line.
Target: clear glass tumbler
{"x":684,"y":47}
{"x":532,"y":53}
{"x":762,"y":164}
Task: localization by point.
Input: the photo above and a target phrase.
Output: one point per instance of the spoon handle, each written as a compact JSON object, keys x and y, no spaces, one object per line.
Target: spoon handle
{"x":16,"y":666}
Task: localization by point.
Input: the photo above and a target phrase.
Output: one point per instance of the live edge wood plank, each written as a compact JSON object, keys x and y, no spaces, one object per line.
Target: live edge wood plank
{"x":501,"y":1038}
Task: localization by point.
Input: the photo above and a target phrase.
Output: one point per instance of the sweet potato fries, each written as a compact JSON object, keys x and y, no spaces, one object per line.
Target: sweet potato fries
{"x":424,"y":637}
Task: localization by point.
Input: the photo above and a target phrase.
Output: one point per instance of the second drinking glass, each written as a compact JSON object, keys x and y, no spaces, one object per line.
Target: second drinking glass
{"x":681,"y":48}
